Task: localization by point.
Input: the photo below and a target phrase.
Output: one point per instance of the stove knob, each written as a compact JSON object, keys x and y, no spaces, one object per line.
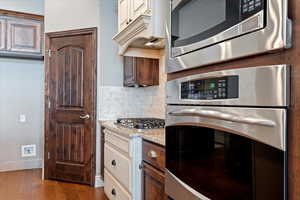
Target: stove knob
{"x":139,"y":126}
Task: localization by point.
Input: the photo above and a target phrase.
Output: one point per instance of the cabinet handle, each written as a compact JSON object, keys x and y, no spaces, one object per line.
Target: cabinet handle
{"x":113,"y":192}
{"x":141,"y":166}
{"x":152,"y":154}
{"x":113,"y":163}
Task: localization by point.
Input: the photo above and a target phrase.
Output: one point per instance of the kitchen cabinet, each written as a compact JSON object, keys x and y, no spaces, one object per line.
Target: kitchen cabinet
{"x":153,"y":171}
{"x":123,"y":13}
{"x":2,"y":34}
{"x":139,"y":22}
{"x":21,"y":35}
{"x":122,"y":160}
{"x":140,"y":7}
{"x":141,"y":72}
{"x":24,"y":36}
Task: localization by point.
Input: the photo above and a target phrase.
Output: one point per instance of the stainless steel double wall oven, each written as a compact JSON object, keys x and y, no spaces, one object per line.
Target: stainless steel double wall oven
{"x":226,"y":135}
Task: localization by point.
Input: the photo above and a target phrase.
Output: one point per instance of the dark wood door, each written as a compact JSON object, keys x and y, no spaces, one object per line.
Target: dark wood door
{"x":154,"y":183}
{"x":70,"y":106}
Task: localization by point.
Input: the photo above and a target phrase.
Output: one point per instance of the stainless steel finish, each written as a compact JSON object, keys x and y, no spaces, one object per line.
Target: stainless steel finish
{"x":87,"y":116}
{"x":177,"y":189}
{"x":275,"y":36}
{"x":266,"y":86}
{"x":225,"y":35}
{"x":152,"y":154}
{"x":266,"y":125}
{"x":203,"y":112}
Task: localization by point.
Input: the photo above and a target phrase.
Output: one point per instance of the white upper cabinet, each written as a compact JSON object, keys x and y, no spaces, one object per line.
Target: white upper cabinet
{"x":140,"y":21}
{"x":140,"y":7}
{"x":124,"y":13}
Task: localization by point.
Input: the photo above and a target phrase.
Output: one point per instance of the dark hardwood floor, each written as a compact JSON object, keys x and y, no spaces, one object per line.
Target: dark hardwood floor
{"x":28,"y":185}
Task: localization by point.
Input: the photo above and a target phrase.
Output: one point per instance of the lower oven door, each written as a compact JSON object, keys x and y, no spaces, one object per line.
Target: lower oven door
{"x":225,"y":153}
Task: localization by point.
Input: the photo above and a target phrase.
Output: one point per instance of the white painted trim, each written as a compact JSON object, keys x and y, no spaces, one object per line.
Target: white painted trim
{"x":99,"y":181}
{"x":20,"y":165}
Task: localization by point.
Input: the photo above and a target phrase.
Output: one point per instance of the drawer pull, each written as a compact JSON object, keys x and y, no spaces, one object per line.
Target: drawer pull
{"x":113,"y":192}
{"x":152,"y":154}
{"x":113,"y":163}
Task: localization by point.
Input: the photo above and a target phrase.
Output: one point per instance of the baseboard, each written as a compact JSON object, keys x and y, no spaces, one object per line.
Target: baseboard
{"x":99,"y":182}
{"x":20,"y":165}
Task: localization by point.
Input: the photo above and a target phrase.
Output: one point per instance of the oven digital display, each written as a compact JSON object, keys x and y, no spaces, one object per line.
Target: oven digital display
{"x":209,"y":89}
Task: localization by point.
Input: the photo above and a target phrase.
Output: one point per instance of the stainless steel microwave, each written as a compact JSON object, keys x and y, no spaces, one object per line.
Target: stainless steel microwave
{"x":203,"y":32}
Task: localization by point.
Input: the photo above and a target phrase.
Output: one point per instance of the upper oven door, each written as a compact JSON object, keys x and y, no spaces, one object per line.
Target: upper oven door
{"x":199,"y":23}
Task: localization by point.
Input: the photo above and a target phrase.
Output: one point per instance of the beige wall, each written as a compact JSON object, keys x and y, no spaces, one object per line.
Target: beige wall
{"x":22,"y":92}
{"x":28,"y":6}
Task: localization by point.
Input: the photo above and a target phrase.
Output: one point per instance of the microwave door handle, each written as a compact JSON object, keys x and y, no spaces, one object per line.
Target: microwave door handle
{"x":223,"y":116}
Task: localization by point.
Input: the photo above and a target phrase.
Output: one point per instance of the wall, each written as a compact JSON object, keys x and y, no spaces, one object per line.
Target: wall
{"x":22,"y":92}
{"x":27,"y":6}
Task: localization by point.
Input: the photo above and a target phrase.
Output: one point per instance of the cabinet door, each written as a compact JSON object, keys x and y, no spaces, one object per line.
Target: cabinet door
{"x":124,"y":12}
{"x":2,"y":34}
{"x":153,"y":182}
{"x":24,"y":35}
{"x":129,"y":71}
{"x":147,"y":71}
{"x":140,"y":7}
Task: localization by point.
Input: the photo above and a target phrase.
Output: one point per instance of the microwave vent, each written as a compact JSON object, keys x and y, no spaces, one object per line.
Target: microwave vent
{"x":252,"y":24}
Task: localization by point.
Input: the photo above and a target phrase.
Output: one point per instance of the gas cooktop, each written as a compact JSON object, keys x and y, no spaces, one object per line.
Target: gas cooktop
{"x":141,"y":123}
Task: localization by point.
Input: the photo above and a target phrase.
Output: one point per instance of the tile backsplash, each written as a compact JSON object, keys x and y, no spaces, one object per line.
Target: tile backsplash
{"x":118,"y":102}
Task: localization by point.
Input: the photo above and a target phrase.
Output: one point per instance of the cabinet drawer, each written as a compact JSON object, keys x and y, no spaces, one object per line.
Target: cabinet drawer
{"x":154,"y":154}
{"x":113,"y":190}
{"x":116,"y":140}
{"x":118,"y":165}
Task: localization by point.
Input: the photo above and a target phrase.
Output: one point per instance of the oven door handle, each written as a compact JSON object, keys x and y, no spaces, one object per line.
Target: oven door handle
{"x":223,"y":116}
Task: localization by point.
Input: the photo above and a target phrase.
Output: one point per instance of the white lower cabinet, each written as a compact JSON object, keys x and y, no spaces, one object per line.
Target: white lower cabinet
{"x":113,"y":189}
{"x":118,"y":165}
{"x":122,"y":171}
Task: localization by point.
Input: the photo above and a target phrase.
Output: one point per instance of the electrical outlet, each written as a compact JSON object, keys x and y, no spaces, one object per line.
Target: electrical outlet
{"x":29,"y":150}
{"x":22,"y":118}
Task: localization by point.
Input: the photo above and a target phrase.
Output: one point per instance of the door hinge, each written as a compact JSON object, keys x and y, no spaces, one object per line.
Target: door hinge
{"x":49,"y":104}
{"x":49,"y":52}
{"x":49,"y":156}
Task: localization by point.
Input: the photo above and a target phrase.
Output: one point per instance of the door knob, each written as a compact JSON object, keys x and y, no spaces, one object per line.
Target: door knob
{"x":87,"y":116}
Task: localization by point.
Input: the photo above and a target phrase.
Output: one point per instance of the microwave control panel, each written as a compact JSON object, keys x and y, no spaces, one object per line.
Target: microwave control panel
{"x":250,"y":7}
{"x":211,"y":89}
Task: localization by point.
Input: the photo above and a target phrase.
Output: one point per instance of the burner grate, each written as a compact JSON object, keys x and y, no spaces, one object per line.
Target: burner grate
{"x":141,"y":123}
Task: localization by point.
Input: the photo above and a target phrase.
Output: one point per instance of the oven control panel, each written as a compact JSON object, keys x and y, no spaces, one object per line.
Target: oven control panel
{"x":212,"y":88}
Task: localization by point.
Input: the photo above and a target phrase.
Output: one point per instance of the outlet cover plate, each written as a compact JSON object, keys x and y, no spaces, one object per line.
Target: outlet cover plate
{"x":29,"y":150}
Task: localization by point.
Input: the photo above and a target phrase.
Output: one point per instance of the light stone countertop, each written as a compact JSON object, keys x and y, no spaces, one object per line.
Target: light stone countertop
{"x":153,"y":135}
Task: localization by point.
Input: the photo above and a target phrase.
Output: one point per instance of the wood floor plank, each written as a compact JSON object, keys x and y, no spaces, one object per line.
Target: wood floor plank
{"x":28,"y":185}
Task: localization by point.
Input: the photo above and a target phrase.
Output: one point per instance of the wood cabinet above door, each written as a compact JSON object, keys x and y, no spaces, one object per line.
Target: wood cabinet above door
{"x":140,"y":21}
{"x":21,"y":35}
{"x":2,"y":34}
{"x":24,"y":36}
